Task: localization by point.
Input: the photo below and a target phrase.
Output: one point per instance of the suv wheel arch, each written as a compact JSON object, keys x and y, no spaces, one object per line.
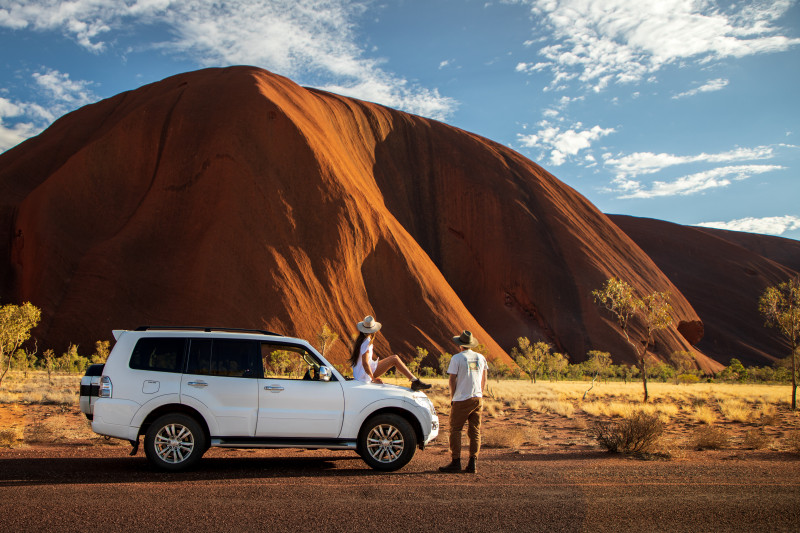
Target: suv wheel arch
{"x":178,"y":409}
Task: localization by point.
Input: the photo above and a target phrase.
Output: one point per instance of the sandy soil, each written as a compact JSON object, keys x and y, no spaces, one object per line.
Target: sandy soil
{"x":561,"y":483}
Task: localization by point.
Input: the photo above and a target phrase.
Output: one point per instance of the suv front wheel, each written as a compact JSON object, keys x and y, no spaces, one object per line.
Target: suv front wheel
{"x":174,"y":442}
{"x":387,"y":442}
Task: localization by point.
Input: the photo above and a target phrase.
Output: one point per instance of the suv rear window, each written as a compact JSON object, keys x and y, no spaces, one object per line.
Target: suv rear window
{"x":224,"y":357}
{"x":159,"y":354}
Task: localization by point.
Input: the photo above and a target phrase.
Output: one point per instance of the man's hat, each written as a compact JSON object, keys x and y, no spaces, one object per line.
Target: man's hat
{"x":466,"y":340}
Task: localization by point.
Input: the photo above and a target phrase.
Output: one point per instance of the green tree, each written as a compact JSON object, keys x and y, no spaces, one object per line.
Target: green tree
{"x":598,"y":363}
{"x":16,"y":323}
{"x":555,"y":365}
{"x":496,"y":369}
{"x":735,"y":371}
{"x":101,"y":351}
{"x":530,"y":357}
{"x":780,"y":306}
{"x":444,"y":363}
{"x":652,"y":312}
{"x":415,"y":363}
{"x":684,"y":363}
{"x":326,"y":337}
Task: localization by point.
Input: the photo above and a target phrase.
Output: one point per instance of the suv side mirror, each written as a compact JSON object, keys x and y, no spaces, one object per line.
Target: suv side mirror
{"x":324,"y":373}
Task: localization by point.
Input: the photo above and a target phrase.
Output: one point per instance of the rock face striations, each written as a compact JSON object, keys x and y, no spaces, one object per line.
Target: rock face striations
{"x":235,"y":197}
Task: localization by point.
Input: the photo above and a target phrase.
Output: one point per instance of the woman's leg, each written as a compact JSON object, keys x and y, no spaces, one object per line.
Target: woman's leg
{"x":384,"y":365}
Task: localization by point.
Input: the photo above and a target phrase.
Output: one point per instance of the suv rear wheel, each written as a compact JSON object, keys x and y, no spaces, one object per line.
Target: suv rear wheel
{"x":387,"y":442}
{"x":174,"y":442}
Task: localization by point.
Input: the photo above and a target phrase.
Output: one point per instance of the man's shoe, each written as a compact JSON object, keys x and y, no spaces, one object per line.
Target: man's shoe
{"x":471,"y":469}
{"x":454,"y":466}
{"x":419,"y":385}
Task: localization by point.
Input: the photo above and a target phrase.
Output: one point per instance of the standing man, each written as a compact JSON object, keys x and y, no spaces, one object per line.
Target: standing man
{"x":467,"y":373}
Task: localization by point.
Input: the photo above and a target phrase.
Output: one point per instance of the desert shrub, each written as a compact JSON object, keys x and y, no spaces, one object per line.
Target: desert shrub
{"x":503,"y":438}
{"x":10,"y":436}
{"x":793,"y":442}
{"x":710,"y":438}
{"x":635,"y":434}
{"x":688,"y":378}
{"x":756,"y":439}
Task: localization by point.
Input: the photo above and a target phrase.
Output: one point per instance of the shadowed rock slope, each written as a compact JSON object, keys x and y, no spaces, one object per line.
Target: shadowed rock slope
{"x":236,"y":197}
{"x":723,"y":276}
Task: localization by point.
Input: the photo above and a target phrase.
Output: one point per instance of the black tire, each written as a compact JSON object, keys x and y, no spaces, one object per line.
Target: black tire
{"x":174,"y":442}
{"x":387,"y":442}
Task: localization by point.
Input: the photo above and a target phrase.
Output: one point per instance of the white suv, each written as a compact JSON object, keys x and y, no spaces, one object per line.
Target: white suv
{"x":186,"y":389}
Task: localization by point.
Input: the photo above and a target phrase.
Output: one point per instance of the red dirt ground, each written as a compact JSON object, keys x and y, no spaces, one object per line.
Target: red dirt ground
{"x":563,"y":483}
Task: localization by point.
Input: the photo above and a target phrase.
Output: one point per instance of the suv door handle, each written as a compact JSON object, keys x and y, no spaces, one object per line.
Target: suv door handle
{"x":198,"y":384}
{"x":273,"y":388}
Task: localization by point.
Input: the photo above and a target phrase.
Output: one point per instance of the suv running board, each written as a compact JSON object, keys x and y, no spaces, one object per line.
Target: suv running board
{"x":256,"y":442}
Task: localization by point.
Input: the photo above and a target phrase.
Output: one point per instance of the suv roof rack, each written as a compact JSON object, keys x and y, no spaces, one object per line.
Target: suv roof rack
{"x":208,"y":329}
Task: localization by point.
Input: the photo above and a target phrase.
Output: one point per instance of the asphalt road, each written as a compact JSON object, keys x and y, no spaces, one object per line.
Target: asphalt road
{"x":74,"y":488}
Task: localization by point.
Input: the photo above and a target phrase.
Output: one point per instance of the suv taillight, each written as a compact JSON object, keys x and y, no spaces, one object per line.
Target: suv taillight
{"x":105,"y":387}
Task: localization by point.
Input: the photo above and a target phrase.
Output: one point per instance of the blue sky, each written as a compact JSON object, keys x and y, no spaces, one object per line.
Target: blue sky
{"x":681,"y":110}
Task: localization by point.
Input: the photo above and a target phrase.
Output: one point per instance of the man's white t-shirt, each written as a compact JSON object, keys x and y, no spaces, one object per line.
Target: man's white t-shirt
{"x":469,"y":367}
{"x":358,"y":369}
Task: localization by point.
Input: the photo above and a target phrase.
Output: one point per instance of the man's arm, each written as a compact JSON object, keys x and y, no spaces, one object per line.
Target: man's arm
{"x":483,"y":381}
{"x":452,"y":382}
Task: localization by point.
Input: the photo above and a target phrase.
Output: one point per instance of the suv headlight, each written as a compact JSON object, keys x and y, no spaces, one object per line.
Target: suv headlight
{"x":105,"y":387}
{"x":425,"y":402}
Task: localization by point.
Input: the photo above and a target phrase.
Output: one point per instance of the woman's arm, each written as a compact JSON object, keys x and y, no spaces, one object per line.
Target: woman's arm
{"x":368,"y":368}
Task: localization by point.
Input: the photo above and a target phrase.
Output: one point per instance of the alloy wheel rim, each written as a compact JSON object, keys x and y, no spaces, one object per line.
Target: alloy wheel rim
{"x":174,"y":443}
{"x":385,"y":443}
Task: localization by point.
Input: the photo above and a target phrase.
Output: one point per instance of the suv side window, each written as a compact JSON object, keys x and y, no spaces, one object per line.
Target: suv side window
{"x":224,"y":357}
{"x":284,"y":361}
{"x":159,"y":354}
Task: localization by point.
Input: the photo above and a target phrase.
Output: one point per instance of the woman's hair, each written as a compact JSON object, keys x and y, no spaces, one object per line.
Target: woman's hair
{"x":357,"y":348}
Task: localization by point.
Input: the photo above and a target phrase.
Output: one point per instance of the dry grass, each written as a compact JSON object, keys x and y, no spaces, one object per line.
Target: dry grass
{"x":36,"y":388}
{"x":736,"y":410}
{"x":514,"y":411}
{"x":704,"y":414}
{"x":58,"y":428}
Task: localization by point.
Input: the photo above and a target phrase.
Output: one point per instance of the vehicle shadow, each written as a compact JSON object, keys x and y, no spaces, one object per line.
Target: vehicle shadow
{"x":68,"y":471}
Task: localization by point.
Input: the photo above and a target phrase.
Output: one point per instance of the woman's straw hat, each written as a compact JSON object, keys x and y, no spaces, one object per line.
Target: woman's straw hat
{"x":369,"y":325}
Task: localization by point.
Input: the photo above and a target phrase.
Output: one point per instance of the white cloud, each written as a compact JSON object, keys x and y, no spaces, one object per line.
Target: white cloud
{"x":61,"y":89}
{"x":59,"y":95}
{"x":314,"y":39}
{"x":690,"y":184}
{"x":648,"y":163}
{"x":563,"y":144}
{"x":13,"y":133}
{"x":765,"y":225}
{"x":623,"y":41}
{"x":709,"y":86}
